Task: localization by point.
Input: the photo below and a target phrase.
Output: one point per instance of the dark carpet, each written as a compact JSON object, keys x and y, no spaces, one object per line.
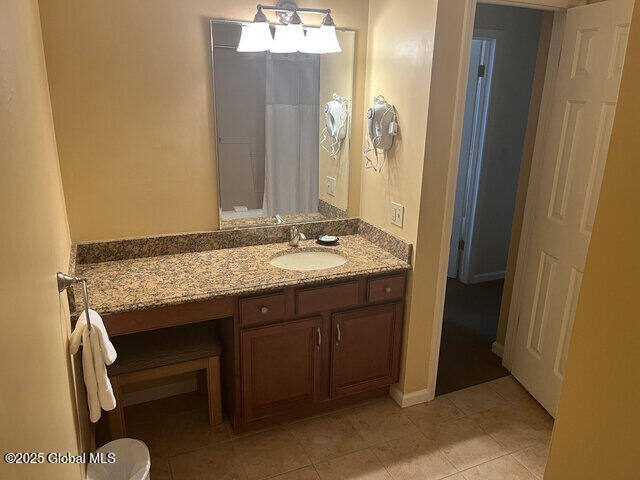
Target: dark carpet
{"x":469,"y":329}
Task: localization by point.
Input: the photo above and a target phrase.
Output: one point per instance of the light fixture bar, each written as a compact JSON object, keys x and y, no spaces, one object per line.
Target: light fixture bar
{"x":319,"y":11}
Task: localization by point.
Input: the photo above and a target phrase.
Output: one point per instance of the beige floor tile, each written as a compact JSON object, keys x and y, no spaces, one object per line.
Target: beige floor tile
{"x":152,"y":434}
{"x":475,"y":399}
{"x":509,"y":389}
{"x":188,"y":431}
{"x":464,"y":443}
{"x":515,"y":426}
{"x":427,"y":415}
{"x":270,"y":453}
{"x":329,"y":436}
{"x":414,"y":457}
{"x":381,"y":421}
{"x":362,"y":465}
{"x":502,"y":468}
{"x":211,"y":463}
{"x":534,"y":458}
{"x":455,"y":476}
{"x":151,"y":411}
{"x":160,"y":469}
{"x":306,"y":473}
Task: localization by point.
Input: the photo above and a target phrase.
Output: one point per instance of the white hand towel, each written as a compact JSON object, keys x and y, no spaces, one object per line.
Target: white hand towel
{"x":97,"y":352}
{"x":89,"y":375}
{"x":107,"y":351}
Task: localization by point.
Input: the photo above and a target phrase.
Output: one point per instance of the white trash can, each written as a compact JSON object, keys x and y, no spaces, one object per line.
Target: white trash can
{"x":132,"y":461}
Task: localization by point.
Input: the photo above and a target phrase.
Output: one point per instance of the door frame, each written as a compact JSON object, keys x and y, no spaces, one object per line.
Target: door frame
{"x":468,"y":20}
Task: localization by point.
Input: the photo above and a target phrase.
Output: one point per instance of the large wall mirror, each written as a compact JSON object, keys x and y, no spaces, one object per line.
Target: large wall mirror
{"x":283,"y":131}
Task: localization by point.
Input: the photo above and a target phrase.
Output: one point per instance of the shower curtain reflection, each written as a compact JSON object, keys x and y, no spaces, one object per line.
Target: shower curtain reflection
{"x":291,"y":134}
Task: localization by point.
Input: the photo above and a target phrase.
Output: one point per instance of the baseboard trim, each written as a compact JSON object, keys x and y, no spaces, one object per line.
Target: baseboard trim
{"x":408,"y":399}
{"x":162,"y":391}
{"x":488,"y":277}
{"x":497,"y":349}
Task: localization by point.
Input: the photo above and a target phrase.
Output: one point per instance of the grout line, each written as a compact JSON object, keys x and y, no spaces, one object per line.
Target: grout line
{"x":525,"y":467}
{"x":315,"y":470}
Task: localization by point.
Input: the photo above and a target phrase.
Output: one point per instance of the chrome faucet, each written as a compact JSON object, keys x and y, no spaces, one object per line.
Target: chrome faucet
{"x":277,"y":219}
{"x":295,"y":236}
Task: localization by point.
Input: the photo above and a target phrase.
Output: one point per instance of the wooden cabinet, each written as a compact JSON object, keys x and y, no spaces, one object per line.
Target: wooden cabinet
{"x":310,"y":349}
{"x":384,"y":289}
{"x":262,"y":309}
{"x":365,"y":349}
{"x":280,"y":367}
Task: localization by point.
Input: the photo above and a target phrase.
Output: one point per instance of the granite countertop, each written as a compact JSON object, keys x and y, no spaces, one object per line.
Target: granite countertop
{"x":139,"y":283}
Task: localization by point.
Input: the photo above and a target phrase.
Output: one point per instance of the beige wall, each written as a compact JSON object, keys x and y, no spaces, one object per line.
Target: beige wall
{"x":336,"y":76}
{"x":597,"y":428}
{"x":131,"y":92}
{"x":37,"y":412}
{"x":400,"y":49}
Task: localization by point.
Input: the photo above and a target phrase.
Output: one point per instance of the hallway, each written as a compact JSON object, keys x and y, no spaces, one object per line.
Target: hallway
{"x":469,"y":328}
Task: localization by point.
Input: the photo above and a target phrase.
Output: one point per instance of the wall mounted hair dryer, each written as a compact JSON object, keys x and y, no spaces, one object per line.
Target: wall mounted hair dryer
{"x":382,"y":121}
{"x":336,"y":112}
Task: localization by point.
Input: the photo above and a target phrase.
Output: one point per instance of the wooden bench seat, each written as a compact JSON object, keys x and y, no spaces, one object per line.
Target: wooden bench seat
{"x":162,"y":353}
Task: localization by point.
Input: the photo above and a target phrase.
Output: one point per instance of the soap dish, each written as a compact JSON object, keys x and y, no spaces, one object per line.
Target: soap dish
{"x":327,"y":239}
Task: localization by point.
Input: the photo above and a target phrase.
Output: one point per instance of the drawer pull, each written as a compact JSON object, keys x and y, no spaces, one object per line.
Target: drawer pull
{"x":339,"y":337}
{"x":264,"y":310}
{"x":387,"y":290}
{"x":319,"y":336}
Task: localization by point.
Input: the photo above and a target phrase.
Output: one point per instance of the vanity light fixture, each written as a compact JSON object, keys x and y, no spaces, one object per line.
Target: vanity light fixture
{"x":256,"y":36}
{"x":289,"y":36}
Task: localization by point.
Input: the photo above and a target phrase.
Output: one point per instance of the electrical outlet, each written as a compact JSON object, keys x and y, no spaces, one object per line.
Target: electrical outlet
{"x":397,"y":214}
{"x":331,"y":186}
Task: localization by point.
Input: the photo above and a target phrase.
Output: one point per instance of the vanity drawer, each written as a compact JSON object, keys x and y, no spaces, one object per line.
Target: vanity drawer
{"x":330,"y":297}
{"x":266,"y":308}
{"x":385,"y":288}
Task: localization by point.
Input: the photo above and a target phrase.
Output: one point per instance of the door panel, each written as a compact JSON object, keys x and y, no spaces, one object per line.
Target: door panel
{"x":280,"y":367}
{"x":581,"y":119}
{"x":365,"y":349}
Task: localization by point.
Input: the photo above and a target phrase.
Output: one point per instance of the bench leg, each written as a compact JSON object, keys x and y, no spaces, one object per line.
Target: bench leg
{"x":213,"y":384}
{"x":117,"y":426}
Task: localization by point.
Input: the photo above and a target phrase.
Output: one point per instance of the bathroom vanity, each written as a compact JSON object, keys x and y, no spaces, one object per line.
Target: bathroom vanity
{"x":294,"y":343}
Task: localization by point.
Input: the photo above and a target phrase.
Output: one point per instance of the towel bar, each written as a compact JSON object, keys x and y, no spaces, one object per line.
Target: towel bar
{"x":65,"y":281}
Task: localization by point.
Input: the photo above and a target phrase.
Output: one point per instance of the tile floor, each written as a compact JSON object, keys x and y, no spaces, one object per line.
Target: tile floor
{"x":495,"y":430}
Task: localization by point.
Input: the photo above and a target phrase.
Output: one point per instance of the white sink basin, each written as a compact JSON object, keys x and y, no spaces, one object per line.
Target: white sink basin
{"x":308,"y":260}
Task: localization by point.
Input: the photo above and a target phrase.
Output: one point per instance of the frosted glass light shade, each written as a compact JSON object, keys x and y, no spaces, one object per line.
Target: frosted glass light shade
{"x":255,"y":37}
{"x":288,"y":38}
{"x":328,"y":39}
{"x":312,"y":42}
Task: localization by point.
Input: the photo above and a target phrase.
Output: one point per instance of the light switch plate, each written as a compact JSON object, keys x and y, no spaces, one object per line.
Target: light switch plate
{"x":397,"y":214}
{"x":331,"y":186}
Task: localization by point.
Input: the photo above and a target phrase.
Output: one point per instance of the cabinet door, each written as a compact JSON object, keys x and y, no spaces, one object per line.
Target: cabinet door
{"x":280,"y":367}
{"x":365,"y":349}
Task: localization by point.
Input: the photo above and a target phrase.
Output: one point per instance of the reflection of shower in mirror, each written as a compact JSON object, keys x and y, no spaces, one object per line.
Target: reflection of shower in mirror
{"x":336,"y":112}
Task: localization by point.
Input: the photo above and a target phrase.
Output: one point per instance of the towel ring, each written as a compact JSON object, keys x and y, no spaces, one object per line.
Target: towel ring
{"x":65,"y":281}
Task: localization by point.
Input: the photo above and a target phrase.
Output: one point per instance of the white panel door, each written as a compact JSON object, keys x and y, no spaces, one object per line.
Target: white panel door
{"x":581,"y":119}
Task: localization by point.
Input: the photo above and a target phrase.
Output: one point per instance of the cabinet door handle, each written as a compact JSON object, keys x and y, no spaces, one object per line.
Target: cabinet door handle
{"x":319,"y":336}
{"x":387,"y":290}
{"x":264,"y":310}
{"x":339,"y":333}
